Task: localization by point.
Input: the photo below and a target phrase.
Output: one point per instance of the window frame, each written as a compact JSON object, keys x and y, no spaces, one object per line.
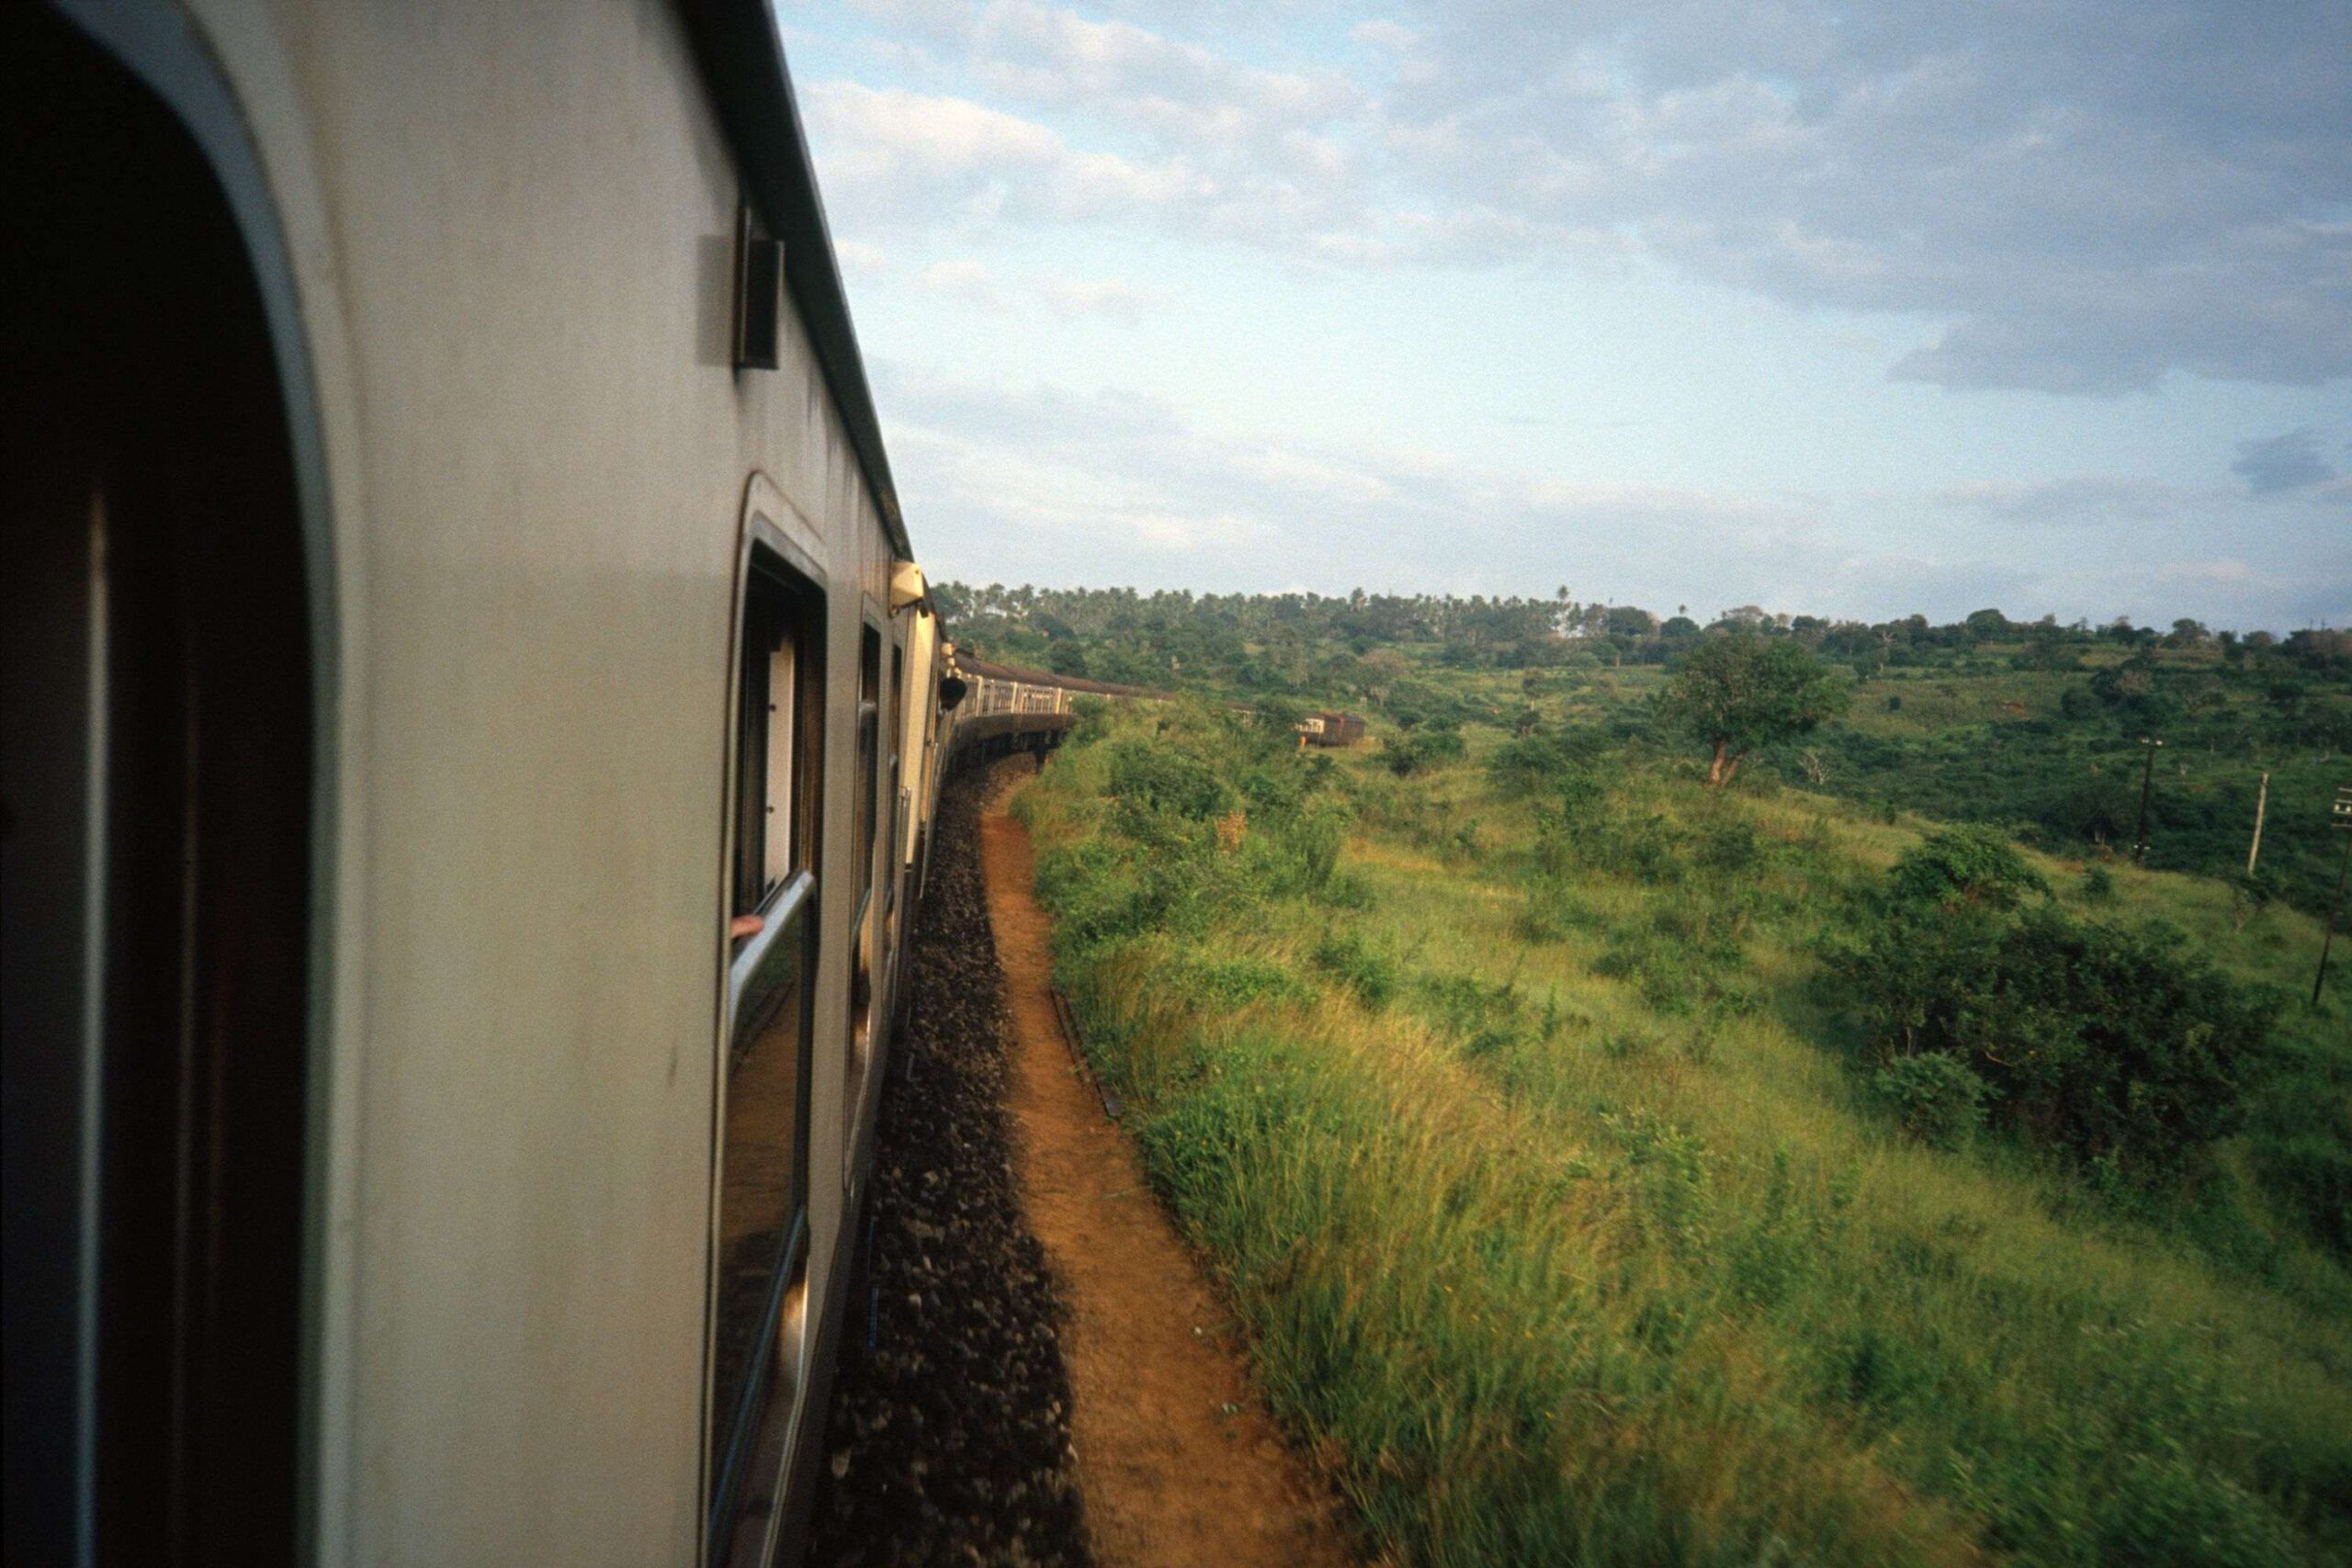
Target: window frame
{"x":779,"y":586}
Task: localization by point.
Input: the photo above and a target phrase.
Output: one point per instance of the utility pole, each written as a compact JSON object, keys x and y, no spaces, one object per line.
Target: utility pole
{"x":2342,"y":817}
{"x":2147,"y":780}
{"x":2261,"y":799}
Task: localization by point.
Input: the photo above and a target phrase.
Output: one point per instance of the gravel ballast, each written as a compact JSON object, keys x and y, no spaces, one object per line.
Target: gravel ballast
{"x":948,"y":1441}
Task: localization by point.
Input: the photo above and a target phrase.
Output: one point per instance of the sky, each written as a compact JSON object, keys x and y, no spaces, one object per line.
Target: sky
{"x":1855,"y":309}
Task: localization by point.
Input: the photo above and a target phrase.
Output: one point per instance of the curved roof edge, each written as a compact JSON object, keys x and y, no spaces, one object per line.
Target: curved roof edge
{"x":740,"y":55}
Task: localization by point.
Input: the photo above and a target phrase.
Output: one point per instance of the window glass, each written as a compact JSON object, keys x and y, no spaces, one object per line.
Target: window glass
{"x":861,"y":932}
{"x":779,"y":793}
{"x":762,"y":1158}
{"x":898,"y":779}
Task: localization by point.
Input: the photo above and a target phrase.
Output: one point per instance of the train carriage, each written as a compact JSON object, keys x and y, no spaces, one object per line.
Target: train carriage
{"x":472,"y":721}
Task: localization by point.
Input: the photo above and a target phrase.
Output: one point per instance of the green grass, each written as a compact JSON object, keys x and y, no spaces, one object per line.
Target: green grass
{"x":1566,"y":1233}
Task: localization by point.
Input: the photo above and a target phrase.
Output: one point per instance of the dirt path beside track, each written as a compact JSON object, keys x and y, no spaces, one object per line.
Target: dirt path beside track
{"x":1177,"y":1459}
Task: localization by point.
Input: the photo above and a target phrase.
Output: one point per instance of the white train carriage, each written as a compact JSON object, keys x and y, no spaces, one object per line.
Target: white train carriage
{"x":471,"y":718}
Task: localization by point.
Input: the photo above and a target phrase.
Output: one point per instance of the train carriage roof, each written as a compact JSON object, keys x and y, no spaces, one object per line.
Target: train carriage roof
{"x":740,"y":55}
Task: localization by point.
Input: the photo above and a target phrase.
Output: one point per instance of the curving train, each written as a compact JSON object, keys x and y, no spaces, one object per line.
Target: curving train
{"x":472,"y":721}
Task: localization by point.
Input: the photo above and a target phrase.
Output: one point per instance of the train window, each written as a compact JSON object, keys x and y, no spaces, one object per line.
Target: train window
{"x":763,"y":1159}
{"x":869,"y":725}
{"x":897,"y":799}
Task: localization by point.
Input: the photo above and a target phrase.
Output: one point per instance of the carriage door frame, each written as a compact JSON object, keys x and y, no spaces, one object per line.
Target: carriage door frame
{"x":757,"y":1342}
{"x":170,"y":691}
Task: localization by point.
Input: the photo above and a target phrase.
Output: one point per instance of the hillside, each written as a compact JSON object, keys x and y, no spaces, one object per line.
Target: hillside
{"x":2037,"y":728}
{"x":1549,"y":1172}
{"x":1564,"y":1130}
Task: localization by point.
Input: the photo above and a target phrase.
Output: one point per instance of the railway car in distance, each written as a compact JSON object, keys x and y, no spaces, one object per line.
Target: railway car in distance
{"x":472,"y":721}
{"x":1330,"y":729}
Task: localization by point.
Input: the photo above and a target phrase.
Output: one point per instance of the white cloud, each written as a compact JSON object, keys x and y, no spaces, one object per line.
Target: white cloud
{"x":2086,"y":195}
{"x":1049,"y":293}
{"x":1383,"y":34}
{"x":858,"y":258}
{"x":2083,"y":499}
{"x":895,"y":158}
{"x":1047,"y":484}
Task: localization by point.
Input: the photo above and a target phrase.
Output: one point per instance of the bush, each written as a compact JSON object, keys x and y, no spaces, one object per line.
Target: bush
{"x":2099,"y":884}
{"x":2311,"y":1171}
{"x":2251,"y":893}
{"x":1371,"y":975}
{"x":1158,"y":776}
{"x":1729,"y":845}
{"x":1424,"y":748}
{"x":1227,"y":983}
{"x":2114,"y":1044}
{"x":1551,"y":910}
{"x":1973,"y":866}
{"x":1547,"y":759}
{"x":1936,"y":1097}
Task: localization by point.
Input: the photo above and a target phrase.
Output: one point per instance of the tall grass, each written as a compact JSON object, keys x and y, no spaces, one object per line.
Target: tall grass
{"x":1554,"y":1256}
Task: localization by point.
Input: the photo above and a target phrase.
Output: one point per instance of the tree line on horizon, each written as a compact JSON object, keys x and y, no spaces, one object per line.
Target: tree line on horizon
{"x":1264,"y":640}
{"x":2035,"y":726}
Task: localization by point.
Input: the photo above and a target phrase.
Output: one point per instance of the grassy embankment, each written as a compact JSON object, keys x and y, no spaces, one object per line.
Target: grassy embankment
{"x":1563,"y":1230}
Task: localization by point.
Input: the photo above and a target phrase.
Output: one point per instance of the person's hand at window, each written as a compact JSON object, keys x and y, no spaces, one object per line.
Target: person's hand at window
{"x":745,"y":925}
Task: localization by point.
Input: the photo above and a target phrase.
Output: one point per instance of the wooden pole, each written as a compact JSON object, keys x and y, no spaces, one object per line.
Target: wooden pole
{"x":2261,"y":799}
{"x":2147,"y":780}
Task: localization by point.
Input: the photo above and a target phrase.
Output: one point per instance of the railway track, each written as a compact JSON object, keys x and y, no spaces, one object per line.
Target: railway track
{"x":1045,"y":1377}
{"x":949,"y":1436}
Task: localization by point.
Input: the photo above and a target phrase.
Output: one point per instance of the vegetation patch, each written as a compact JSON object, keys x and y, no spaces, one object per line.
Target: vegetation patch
{"x":1675,"y":1174}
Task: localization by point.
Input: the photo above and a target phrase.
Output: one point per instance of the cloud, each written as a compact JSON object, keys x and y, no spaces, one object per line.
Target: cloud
{"x":1383,"y":34}
{"x":2082,"y":196}
{"x":1052,"y":294}
{"x":1106,"y":297}
{"x":2090,"y":194}
{"x":2083,"y":500}
{"x":1056,"y":485}
{"x":894,"y":159}
{"x":1207,"y":142}
{"x":2278,"y":463}
{"x":859,"y":259}
{"x":1051,"y":484}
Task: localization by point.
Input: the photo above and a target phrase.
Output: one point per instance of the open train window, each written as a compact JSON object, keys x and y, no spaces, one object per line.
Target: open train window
{"x":897,"y":782}
{"x":760,"y":1306}
{"x":862,"y":930}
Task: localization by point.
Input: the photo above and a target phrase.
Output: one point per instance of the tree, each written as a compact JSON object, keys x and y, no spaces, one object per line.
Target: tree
{"x":1741,"y":691}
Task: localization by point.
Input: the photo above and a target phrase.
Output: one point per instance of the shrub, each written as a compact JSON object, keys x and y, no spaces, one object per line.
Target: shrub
{"x":1228,"y":983}
{"x":1966,"y":865}
{"x":1371,"y":975}
{"x":1550,"y":911}
{"x":1297,"y":851}
{"x":1160,"y":776}
{"x":1729,"y":844}
{"x":1936,"y":1097}
{"x":2250,"y":894}
{"x":1547,"y":759}
{"x":2099,"y":884}
{"x":1423,"y":749}
{"x":2312,"y":1172}
{"x":2113,"y":1044}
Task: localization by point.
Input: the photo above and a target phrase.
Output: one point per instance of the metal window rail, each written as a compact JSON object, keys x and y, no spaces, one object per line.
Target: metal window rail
{"x":780,"y":912}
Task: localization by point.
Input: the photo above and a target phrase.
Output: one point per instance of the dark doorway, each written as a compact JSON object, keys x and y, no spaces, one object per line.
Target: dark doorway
{"x":155,"y":847}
